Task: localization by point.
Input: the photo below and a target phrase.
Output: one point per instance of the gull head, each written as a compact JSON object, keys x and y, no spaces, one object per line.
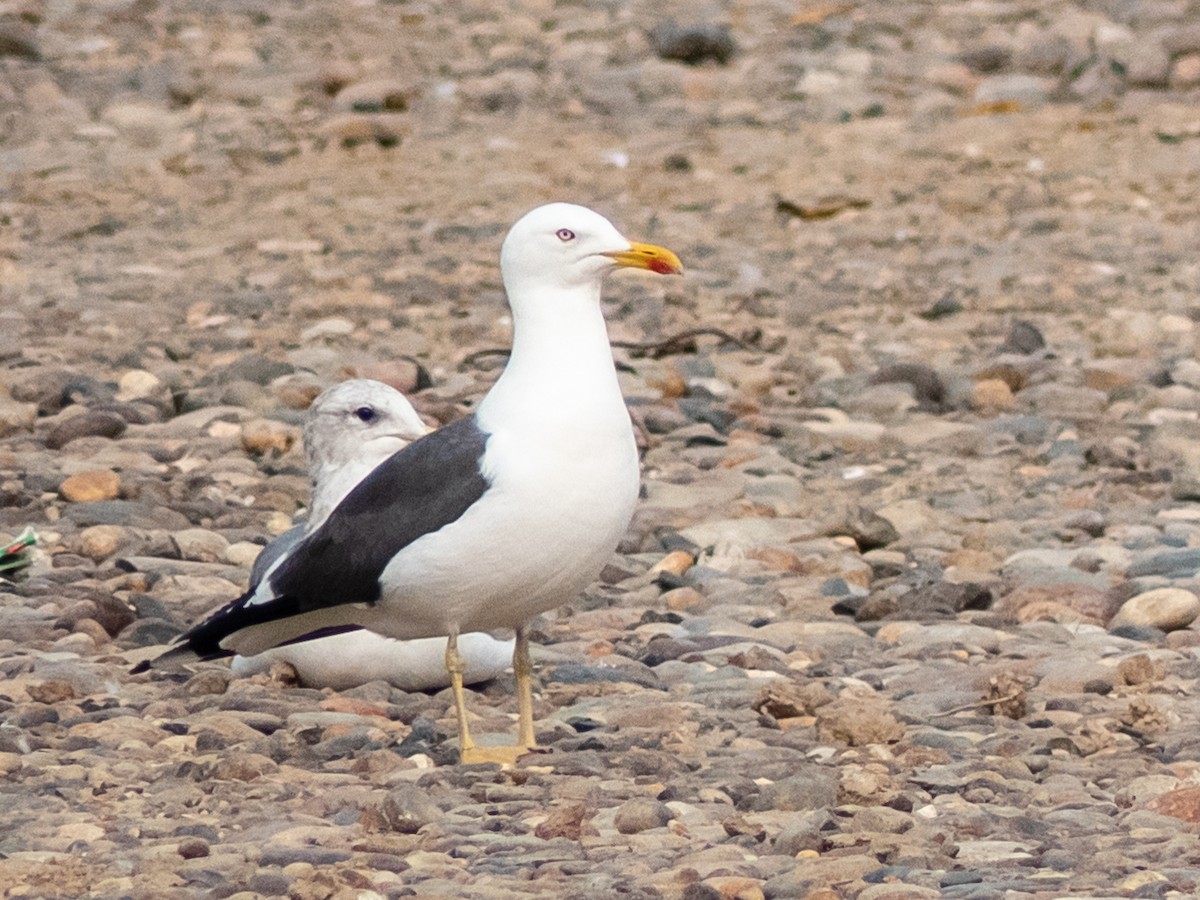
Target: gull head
{"x":360,"y":419}
{"x":561,"y":246}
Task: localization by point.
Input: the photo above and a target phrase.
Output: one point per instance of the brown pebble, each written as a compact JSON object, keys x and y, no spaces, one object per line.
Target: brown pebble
{"x":1011,"y":375}
{"x":376,"y":96}
{"x":1182,"y":804}
{"x":88,"y":487}
{"x":1186,"y":71}
{"x":564,"y":822}
{"x":207,"y":681}
{"x":335,"y":75}
{"x":353,"y":129}
{"x":735,"y":887}
{"x":49,"y":692}
{"x":263,"y":436}
{"x":684,"y":599}
{"x":298,"y":395}
{"x":243,"y":767}
{"x":101,"y":541}
{"x":94,"y":630}
{"x":676,"y":562}
{"x":776,"y":558}
{"x":786,"y":700}
{"x":193,"y":848}
{"x":1139,"y":669}
{"x":402,"y":374}
{"x":113,"y":614}
{"x":991,"y":394}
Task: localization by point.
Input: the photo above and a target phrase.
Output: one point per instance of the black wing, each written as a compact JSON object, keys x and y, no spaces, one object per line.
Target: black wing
{"x":416,"y":491}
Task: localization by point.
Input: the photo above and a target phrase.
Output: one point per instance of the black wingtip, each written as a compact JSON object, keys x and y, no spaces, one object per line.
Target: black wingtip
{"x":174,"y":655}
{"x":201,"y":642}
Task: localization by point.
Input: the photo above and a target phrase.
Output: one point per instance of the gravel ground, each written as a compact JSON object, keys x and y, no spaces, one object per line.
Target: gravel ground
{"x":908,"y":608}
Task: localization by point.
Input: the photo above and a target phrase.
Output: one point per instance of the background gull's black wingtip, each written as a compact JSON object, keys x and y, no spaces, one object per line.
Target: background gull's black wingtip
{"x":203,"y":640}
{"x":179,"y":653}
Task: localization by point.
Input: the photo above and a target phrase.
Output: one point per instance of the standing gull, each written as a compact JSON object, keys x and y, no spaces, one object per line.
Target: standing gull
{"x":494,"y":518}
{"x":350,"y":429}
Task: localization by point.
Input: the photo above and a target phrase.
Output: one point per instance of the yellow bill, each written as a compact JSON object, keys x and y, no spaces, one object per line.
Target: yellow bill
{"x":648,"y":256}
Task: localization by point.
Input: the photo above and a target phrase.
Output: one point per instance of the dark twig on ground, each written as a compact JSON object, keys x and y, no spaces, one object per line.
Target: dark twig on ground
{"x":683,"y":342}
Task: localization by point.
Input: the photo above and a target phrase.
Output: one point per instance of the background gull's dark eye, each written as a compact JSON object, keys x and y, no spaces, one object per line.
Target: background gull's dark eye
{"x":565,"y":234}
{"x":365,"y":414}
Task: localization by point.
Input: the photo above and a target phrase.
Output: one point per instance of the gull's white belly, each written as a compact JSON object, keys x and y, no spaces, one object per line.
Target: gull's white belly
{"x":550,"y":520}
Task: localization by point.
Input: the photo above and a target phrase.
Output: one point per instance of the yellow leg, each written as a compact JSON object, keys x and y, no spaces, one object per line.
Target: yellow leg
{"x":523,"y":669}
{"x":455,"y":668}
{"x":504,"y":755}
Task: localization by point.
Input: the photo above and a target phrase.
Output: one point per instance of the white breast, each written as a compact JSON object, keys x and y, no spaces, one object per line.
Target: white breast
{"x":550,"y":520}
{"x":563,"y":471}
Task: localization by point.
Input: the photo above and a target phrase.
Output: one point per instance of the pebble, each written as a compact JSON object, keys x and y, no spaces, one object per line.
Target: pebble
{"x":1170,"y":564}
{"x":139,"y":383}
{"x":1185,"y":71}
{"x":18,"y":39}
{"x":88,"y":424}
{"x":814,"y":788}
{"x":102,"y":541}
{"x":638,"y":815}
{"x":406,"y":809}
{"x":1167,"y":609}
{"x":201,"y":545}
{"x":692,"y":44}
{"x":992,"y":395}
{"x":376,"y":96}
{"x":1027,"y":90}
{"x":264,"y":436}
{"x":88,"y":487}
{"x":16,"y":417}
{"x":357,"y":129}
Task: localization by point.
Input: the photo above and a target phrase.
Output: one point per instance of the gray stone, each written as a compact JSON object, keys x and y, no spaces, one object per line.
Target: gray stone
{"x":253,"y":368}
{"x":125,"y":512}
{"x":1183,"y":38}
{"x":270,"y":884}
{"x":1047,"y":54}
{"x":88,"y":424}
{"x":641,"y":814}
{"x":692,"y":44}
{"x":1171,"y":564}
{"x":803,"y":832}
{"x":18,"y":39}
{"x":814,"y":788}
{"x":1027,"y":90}
{"x":408,"y":808}
{"x":1147,"y":64}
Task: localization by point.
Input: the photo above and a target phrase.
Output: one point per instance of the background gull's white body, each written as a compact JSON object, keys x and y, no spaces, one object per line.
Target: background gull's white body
{"x":342,"y":450}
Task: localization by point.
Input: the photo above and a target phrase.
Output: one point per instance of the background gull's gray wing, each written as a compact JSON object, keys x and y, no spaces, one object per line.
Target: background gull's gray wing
{"x":417,"y":491}
{"x":273,"y":552}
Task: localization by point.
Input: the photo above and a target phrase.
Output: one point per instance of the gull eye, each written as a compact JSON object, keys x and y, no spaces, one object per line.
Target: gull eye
{"x":365,"y":414}
{"x":565,"y":234}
